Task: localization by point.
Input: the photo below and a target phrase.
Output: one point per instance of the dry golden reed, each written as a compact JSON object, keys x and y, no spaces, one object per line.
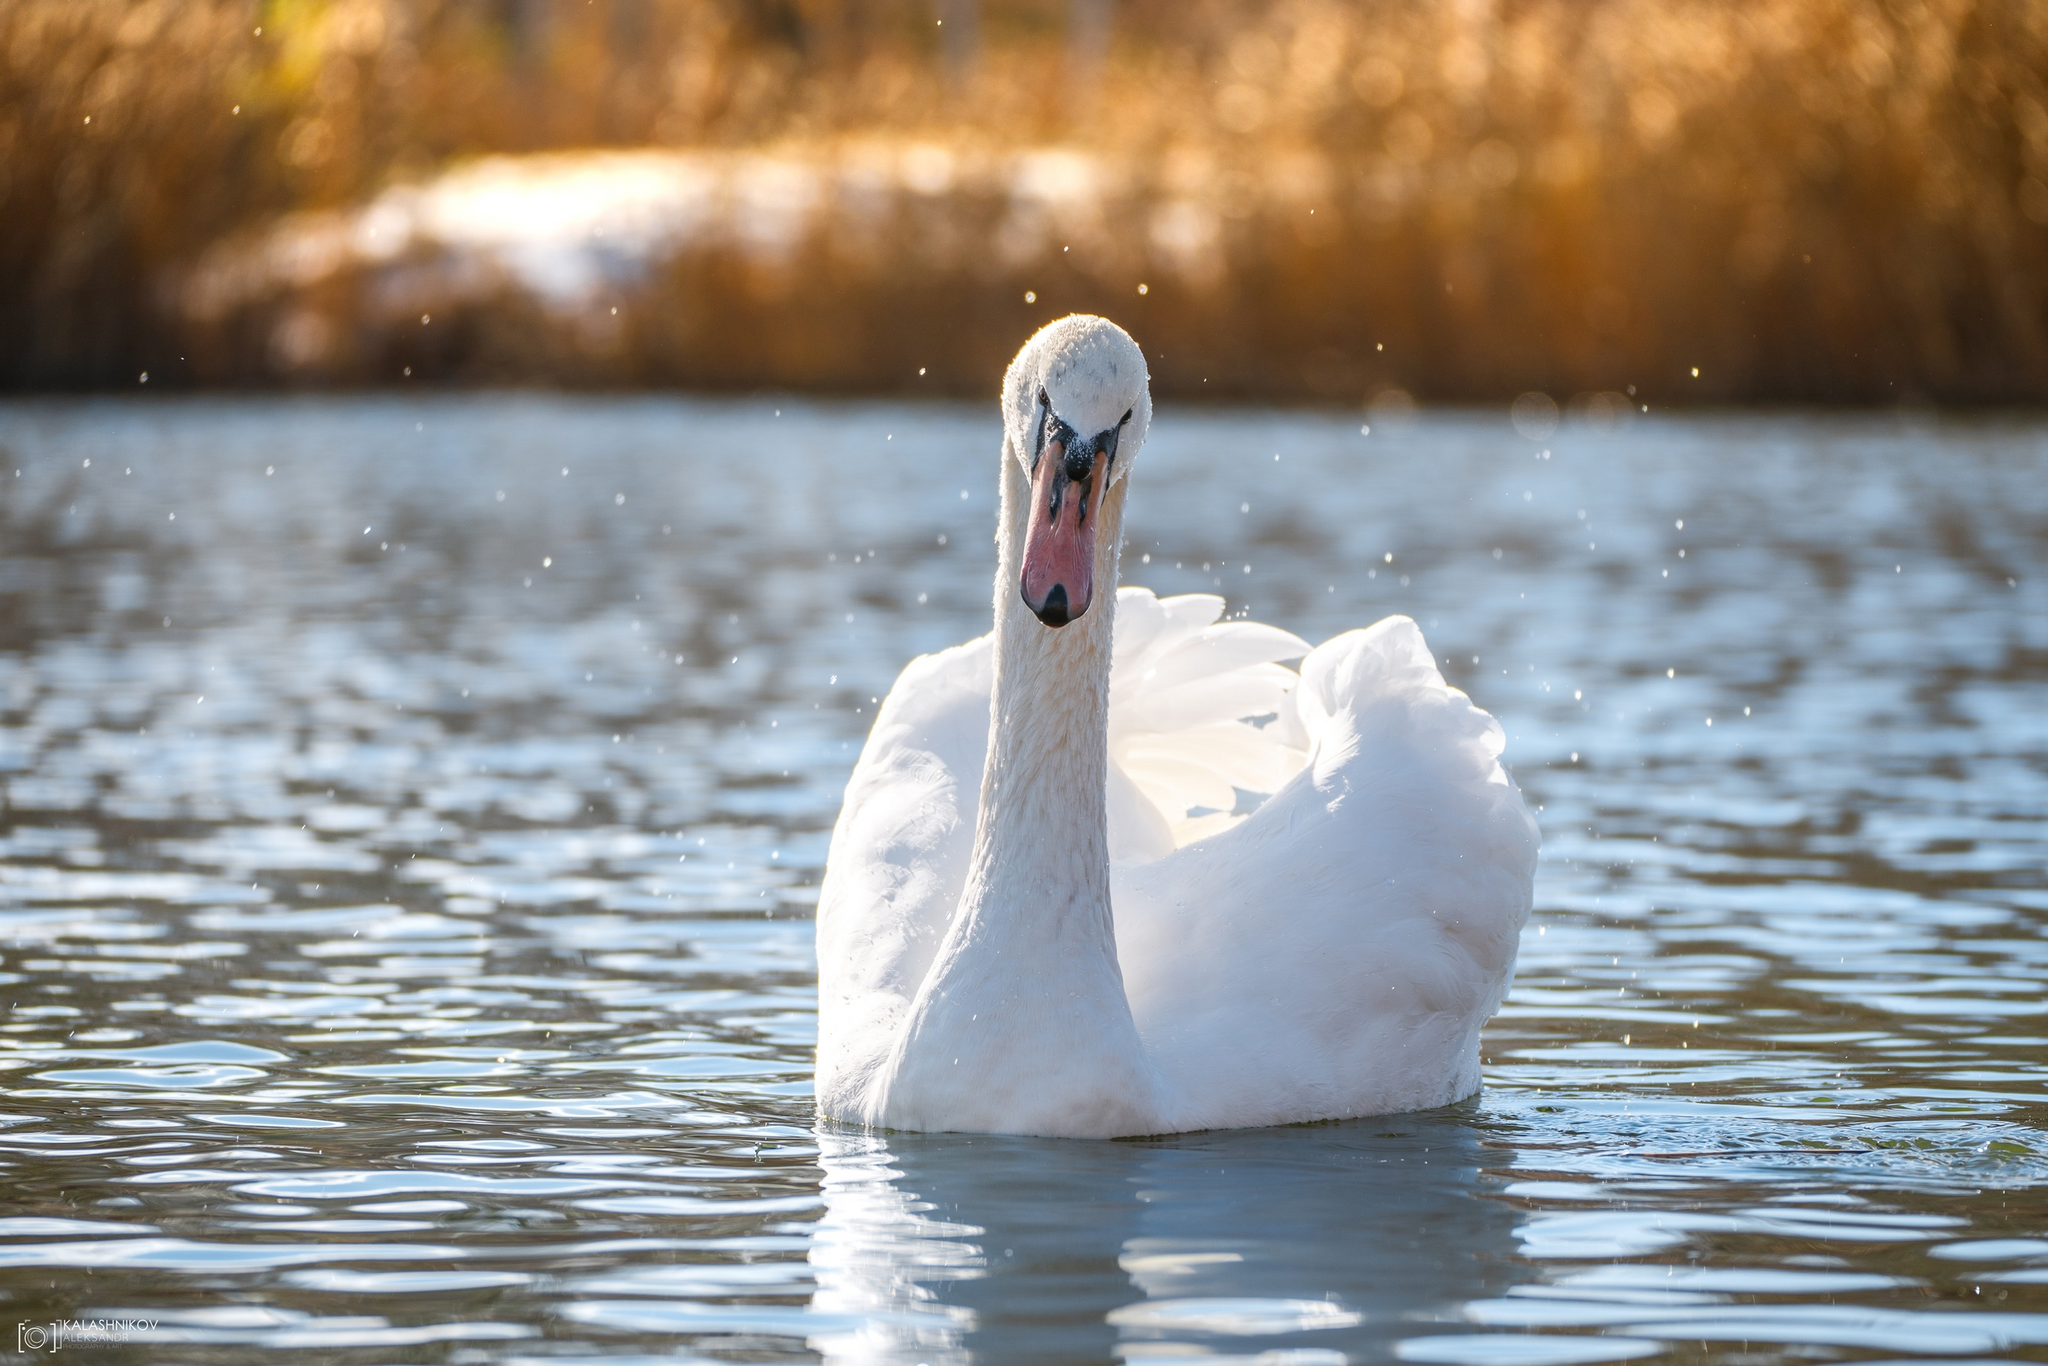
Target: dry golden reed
{"x":1806,"y":200}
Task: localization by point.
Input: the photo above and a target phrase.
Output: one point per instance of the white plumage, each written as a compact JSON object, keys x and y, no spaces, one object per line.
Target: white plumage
{"x":1075,"y":931}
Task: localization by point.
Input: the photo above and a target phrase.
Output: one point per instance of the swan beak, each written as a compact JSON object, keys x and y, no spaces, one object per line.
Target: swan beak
{"x":1059,"y":542}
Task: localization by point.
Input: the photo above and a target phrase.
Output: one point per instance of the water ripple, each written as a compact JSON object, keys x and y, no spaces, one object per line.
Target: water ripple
{"x":406,"y":943}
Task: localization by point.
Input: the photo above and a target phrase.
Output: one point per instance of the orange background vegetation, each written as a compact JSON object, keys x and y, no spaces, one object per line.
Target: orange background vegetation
{"x":1807,"y":200}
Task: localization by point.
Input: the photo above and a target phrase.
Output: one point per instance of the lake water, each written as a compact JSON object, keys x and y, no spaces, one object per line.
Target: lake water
{"x":414,"y":811}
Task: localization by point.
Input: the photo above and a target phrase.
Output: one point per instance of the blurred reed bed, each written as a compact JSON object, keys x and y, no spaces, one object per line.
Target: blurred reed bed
{"x":1459,"y":199}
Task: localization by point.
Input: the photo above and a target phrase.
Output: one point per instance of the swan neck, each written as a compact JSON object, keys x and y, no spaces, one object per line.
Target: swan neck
{"x":1043,"y":822}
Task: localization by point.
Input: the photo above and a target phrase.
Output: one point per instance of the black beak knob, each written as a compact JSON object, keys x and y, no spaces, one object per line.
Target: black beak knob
{"x":1079,"y":460}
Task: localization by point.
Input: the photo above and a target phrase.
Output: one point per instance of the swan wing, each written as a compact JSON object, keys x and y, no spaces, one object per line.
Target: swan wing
{"x":1199,"y":709}
{"x":1335,"y":952}
{"x":898,"y":861}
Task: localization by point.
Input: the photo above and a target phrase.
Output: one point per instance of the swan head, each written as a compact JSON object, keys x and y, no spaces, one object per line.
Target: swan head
{"x":1077,"y":404}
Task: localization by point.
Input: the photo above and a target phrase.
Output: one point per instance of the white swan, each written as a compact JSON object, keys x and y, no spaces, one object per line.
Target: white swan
{"x":1333,"y":953}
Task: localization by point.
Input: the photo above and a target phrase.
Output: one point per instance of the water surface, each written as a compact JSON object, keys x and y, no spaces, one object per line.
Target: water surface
{"x":413,"y":812}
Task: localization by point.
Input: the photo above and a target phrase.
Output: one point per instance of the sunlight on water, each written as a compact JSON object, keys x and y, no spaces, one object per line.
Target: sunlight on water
{"x":414,"y":811}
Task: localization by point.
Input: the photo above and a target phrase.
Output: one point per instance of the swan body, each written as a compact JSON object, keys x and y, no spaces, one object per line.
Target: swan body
{"x":1045,"y":910}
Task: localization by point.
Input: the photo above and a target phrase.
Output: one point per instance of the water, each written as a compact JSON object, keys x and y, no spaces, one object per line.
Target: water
{"x":409,"y":849}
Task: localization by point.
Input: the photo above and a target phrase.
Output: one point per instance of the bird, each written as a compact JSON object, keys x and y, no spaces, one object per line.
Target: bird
{"x":1116,"y":869}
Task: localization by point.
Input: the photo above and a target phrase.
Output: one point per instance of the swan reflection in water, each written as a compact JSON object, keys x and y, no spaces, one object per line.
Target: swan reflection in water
{"x":1298,"y":1245}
